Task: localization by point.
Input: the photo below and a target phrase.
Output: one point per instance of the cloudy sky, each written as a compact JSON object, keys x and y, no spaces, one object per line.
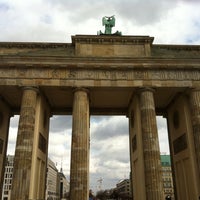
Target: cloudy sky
{"x":169,"y":21}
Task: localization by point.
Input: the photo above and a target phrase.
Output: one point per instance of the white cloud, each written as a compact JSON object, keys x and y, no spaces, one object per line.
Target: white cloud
{"x":43,"y":20}
{"x":163,"y":135}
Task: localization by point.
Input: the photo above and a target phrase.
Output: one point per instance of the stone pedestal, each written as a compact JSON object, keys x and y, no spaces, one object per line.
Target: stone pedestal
{"x":79,"y":174}
{"x":195,"y":108}
{"x":151,"y":151}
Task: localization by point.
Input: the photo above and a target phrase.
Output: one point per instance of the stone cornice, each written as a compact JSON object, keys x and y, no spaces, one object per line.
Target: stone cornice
{"x":99,"y":39}
{"x":32,"y":45}
{"x":111,"y":39}
{"x":88,"y":62}
{"x":177,"y":47}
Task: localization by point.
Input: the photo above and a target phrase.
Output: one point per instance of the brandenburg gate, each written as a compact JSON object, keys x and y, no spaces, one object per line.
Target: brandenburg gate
{"x":102,"y":75}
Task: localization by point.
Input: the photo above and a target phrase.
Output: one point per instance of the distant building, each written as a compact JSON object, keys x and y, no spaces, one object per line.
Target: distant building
{"x":167,"y":175}
{"x":123,"y":188}
{"x":57,"y":185}
{"x":64,"y":186}
{"x":52,"y":190}
{"x":6,"y":192}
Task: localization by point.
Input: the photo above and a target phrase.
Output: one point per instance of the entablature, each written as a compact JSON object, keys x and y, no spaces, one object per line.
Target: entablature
{"x":96,"y":63}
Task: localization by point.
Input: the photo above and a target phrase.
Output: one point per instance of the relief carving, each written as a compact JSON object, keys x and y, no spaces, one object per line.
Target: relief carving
{"x":7,"y":72}
{"x":156,"y":75}
{"x":134,"y":143}
{"x":196,"y":128}
{"x":172,"y":75}
{"x":132,"y":118}
{"x":55,"y":73}
{"x":1,"y":146}
{"x":122,"y":75}
{"x":89,"y":74}
{"x":38,"y":73}
{"x":180,"y":144}
{"x":22,"y":72}
{"x":105,"y":74}
{"x":1,"y":118}
{"x":72,"y":73}
{"x":113,"y":74}
{"x":45,"y":119}
{"x":176,"y":119}
{"x":138,"y":75}
{"x":42,"y":143}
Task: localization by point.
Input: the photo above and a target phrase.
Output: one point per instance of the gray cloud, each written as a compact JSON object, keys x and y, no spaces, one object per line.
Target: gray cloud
{"x":4,"y":7}
{"x":120,"y":156}
{"x":144,"y":12}
{"x":60,"y":123}
{"x":109,"y":128}
{"x":141,"y":12}
{"x":115,"y":154}
{"x":98,"y":119}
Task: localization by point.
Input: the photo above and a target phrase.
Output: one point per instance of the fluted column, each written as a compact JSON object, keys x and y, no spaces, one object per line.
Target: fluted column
{"x":151,"y":151}
{"x":79,"y":174}
{"x":195,"y":108}
{"x":24,"y":145}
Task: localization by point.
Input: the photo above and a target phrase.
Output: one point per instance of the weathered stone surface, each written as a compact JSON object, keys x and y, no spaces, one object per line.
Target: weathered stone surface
{"x":112,"y":46}
{"x":24,"y":146}
{"x":113,"y":68}
{"x":195,"y":110}
{"x":151,"y":150}
{"x":79,"y":173}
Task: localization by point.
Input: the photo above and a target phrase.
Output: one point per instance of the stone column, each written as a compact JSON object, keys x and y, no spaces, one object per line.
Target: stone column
{"x":79,"y":174}
{"x":151,"y":150}
{"x":24,"y":146}
{"x":195,"y":109}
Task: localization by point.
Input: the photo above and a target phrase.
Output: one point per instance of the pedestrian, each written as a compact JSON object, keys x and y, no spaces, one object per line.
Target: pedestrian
{"x":91,"y":196}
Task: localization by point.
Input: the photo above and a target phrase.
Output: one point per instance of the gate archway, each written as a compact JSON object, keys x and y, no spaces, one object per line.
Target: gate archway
{"x":126,"y":75}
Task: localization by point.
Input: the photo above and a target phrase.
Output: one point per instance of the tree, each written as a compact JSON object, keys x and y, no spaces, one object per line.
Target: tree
{"x":103,"y":195}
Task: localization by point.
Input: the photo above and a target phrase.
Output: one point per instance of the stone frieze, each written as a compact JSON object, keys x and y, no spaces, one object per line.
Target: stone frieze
{"x":101,"y":74}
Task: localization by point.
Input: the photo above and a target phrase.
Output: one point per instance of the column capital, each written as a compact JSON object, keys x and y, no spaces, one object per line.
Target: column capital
{"x":194,"y":89}
{"x":81,"y":89}
{"x":138,"y":91}
{"x":145,"y":89}
{"x":35,"y":88}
